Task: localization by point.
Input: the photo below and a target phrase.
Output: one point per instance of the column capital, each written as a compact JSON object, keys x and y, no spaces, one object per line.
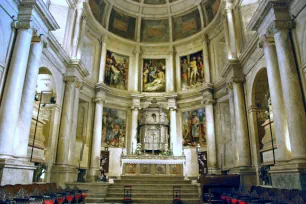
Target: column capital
{"x":136,"y":101}
{"x":205,"y":39}
{"x":278,"y":25}
{"x":72,"y":79}
{"x":137,"y":51}
{"x":237,"y":80}
{"x":171,"y":50}
{"x":37,"y":38}
{"x":208,"y":101}
{"x":79,"y":85}
{"x":103,"y":38}
{"x":100,"y":100}
{"x":101,"y":88}
{"x":265,"y":40}
{"x":22,"y":25}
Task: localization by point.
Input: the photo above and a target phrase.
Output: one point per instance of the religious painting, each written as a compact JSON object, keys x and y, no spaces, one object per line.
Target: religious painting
{"x":194,"y":127}
{"x":186,"y":25}
{"x":155,"y":30}
{"x":154,"y":75}
{"x":154,"y":2}
{"x":116,"y":70}
{"x":211,"y":9}
{"x":192,"y":70}
{"x":122,"y":25}
{"x":114,"y":128}
{"x":97,"y":8}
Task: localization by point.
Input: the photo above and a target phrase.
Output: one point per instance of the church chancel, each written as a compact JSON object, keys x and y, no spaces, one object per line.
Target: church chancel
{"x":154,"y":152}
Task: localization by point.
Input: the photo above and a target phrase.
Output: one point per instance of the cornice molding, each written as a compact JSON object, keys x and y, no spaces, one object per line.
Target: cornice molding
{"x":263,"y":9}
{"x":36,"y":12}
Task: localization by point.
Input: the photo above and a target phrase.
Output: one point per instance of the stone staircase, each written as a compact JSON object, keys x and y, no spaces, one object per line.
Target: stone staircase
{"x":152,"y":189}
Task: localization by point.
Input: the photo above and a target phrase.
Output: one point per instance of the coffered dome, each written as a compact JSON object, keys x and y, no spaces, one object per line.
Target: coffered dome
{"x":154,"y":20}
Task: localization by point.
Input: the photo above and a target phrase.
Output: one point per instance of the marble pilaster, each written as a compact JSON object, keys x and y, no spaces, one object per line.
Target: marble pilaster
{"x":233,"y":125}
{"x":292,"y":93}
{"x":279,"y":111}
{"x":27,"y":101}
{"x":66,"y":121}
{"x":72,"y":141}
{"x":12,"y":94}
{"x":241,"y":124}
{"x":97,"y":139}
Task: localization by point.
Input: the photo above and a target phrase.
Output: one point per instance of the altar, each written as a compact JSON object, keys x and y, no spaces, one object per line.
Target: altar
{"x":153,"y":154}
{"x":155,"y":165}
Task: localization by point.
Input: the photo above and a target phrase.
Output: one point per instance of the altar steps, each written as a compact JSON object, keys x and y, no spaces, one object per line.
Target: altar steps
{"x":152,"y":189}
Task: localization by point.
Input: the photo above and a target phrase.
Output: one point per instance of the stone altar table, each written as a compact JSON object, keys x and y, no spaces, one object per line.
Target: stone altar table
{"x":155,"y":165}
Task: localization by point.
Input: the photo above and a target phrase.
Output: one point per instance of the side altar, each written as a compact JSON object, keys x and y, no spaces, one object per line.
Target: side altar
{"x":153,"y":155}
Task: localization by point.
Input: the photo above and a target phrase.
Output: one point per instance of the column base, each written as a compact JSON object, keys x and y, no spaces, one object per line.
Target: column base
{"x":16,"y":171}
{"x":248,"y":176}
{"x":214,"y":171}
{"x":289,"y":176}
{"x":64,"y":174}
{"x":93,"y":175}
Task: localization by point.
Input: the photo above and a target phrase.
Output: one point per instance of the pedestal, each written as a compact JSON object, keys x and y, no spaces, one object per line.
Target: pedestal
{"x":63,"y":174}
{"x":248,"y":176}
{"x":13,"y":171}
{"x":289,"y":176}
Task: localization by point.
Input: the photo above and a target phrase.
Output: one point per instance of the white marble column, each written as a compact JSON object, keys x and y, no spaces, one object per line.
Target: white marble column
{"x":135,"y":77}
{"x":241,"y":125}
{"x":170,"y":72}
{"x":27,"y":101}
{"x":231,"y":30}
{"x":12,"y":94}
{"x":173,"y":133}
{"x":292,"y":94}
{"x":66,"y":121}
{"x":211,"y":138}
{"x":175,"y":143}
{"x":75,"y":114}
{"x":81,"y":36}
{"x":134,"y":123}
{"x":206,"y":58}
{"x":102,"y":59}
{"x":276,"y":93}
{"x":135,"y":113}
{"x":76,"y":32}
{"x":227,"y":38}
{"x":97,"y":138}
